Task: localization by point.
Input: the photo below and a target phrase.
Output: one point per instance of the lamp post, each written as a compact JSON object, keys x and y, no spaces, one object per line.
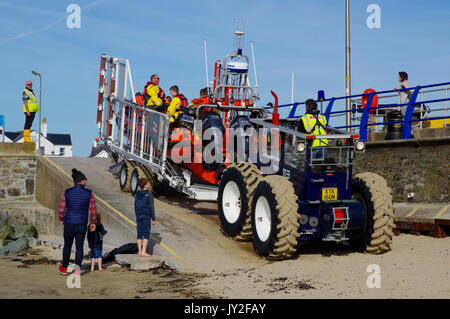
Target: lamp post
{"x":347,"y":63}
{"x":40,"y":108}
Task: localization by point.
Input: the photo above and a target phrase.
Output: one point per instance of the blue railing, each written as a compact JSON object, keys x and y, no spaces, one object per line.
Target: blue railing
{"x":363,"y":123}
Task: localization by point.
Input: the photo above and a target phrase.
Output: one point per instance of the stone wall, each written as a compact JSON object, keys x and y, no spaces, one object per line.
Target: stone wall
{"x":17,"y":178}
{"x":418,"y":166}
{"x":45,"y":220}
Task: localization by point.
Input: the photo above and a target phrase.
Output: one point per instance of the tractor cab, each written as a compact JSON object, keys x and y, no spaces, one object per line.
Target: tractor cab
{"x":315,"y":168}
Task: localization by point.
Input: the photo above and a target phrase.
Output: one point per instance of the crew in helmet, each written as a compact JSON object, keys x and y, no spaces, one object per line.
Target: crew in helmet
{"x":314,"y":123}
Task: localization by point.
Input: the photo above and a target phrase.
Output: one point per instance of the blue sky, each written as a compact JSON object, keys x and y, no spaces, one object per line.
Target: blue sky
{"x":304,"y":37}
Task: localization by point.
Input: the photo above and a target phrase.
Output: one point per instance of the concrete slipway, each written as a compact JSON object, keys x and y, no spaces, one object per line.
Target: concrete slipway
{"x":182,"y":237}
{"x":187,"y":234}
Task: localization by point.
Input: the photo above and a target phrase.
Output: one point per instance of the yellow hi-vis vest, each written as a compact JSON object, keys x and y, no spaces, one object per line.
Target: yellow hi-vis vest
{"x":309,"y":122}
{"x":32,"y":103}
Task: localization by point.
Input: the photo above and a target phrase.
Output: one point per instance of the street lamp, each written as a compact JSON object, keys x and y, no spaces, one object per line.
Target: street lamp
{"x":40,"y":108}
{"x":347,"y":65}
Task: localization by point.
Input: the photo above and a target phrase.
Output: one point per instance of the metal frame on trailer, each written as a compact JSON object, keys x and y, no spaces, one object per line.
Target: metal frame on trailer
{"x":137,"y":133}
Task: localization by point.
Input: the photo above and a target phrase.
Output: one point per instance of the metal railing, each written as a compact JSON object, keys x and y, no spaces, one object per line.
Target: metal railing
{"x":139,"y":131}
{"x":364,"y":119}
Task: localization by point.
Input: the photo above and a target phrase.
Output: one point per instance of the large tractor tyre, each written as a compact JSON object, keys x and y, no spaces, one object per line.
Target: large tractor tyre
{"x":275,"y":218}
{"x":236,"y":188}
{"x":138,"y":173}
{"x":372,"y":190}
{"x":125,"y":176}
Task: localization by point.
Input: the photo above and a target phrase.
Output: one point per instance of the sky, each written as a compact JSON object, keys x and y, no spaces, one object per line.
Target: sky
{"x":166,"y":37}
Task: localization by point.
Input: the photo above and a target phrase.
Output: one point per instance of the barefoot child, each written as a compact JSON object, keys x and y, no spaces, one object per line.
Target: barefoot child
{"x":95,"y":240}
{"x":144,"y":209}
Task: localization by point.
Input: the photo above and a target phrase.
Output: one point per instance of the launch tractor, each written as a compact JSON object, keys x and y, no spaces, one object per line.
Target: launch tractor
{"x":290,"y":194}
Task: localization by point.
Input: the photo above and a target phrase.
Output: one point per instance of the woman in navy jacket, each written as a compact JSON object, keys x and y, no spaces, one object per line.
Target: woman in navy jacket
{"x":144,"y":210}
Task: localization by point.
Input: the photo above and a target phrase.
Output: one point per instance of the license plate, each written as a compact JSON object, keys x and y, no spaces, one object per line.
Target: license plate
{"x":329,"y":193}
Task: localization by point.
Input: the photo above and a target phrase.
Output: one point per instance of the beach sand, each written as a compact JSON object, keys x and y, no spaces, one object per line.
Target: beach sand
{"x":416,"y":267}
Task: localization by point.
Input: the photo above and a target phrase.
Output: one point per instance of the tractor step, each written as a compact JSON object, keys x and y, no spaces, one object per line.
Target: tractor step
{"x":203,"y":192}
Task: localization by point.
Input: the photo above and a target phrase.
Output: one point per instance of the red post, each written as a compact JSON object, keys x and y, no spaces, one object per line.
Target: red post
{"x":275,"y":115}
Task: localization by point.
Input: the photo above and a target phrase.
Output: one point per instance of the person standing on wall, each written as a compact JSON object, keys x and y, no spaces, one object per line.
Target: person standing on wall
{"x":30,"y":107}
{"x":76,"y":206}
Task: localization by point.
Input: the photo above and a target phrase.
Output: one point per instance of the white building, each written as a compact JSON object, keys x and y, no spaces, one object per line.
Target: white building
{"x":100,"y":151}
{"x":52,"y":144}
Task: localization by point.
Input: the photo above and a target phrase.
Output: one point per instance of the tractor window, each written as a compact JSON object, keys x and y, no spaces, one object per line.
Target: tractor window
{"x":331,"y":159}
{"x":291,"y":156}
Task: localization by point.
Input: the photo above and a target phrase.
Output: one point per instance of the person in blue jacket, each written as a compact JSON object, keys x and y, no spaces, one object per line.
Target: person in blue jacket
{"x":77,"y":206}
{"x":95,"y":241}
{"x":145,"y":211}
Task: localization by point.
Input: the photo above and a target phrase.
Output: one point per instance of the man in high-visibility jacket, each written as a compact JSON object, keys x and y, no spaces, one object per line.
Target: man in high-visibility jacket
{"x":314,"y":123}
{"x":177,"y":106}
{"x":153,"y":94}
{"x":30,"y":107}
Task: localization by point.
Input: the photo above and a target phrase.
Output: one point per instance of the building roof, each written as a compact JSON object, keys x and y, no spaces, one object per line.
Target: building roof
{"x":100,"y":147}
{"x":59,"y":139}
{"x":55,"y":139}
{"x":13,"y":135}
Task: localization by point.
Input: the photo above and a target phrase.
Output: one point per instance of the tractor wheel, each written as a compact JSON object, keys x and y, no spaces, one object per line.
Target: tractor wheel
{"x":125,"y":176}
{"x":236,"y":189}
{"x":275,"y":218}
{"x":372,"y":190}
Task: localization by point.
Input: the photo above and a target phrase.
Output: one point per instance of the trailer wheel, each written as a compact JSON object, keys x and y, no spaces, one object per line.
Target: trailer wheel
{"x":134,"y":186}
{"x":236,"y":188}
{"x":372,"y":190}
{"x":138,"y":173}
{"x":114,"y":158}
{"x":275,"y":218}
{"x":125,"y":176}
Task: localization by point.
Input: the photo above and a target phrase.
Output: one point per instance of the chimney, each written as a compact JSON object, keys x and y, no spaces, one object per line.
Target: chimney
{"x":44,"y":127}
{"x":95,"y":143}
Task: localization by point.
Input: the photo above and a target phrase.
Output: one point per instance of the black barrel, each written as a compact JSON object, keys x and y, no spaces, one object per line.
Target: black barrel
{"x":394,"y":130}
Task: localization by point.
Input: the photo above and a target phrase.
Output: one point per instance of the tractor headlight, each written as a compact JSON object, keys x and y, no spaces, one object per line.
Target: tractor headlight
{"x":360,"y":146}
{"x":301,"y":147}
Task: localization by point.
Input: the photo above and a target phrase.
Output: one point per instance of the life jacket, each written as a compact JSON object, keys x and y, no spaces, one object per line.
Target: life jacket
{"x":161,"y":95}
{"x":201,"y":101}
{"x":184,"y":101}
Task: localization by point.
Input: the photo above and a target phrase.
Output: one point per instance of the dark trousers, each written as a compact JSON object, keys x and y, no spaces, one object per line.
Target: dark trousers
{"x":78,"y":232}
{"x":29,"y":120}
